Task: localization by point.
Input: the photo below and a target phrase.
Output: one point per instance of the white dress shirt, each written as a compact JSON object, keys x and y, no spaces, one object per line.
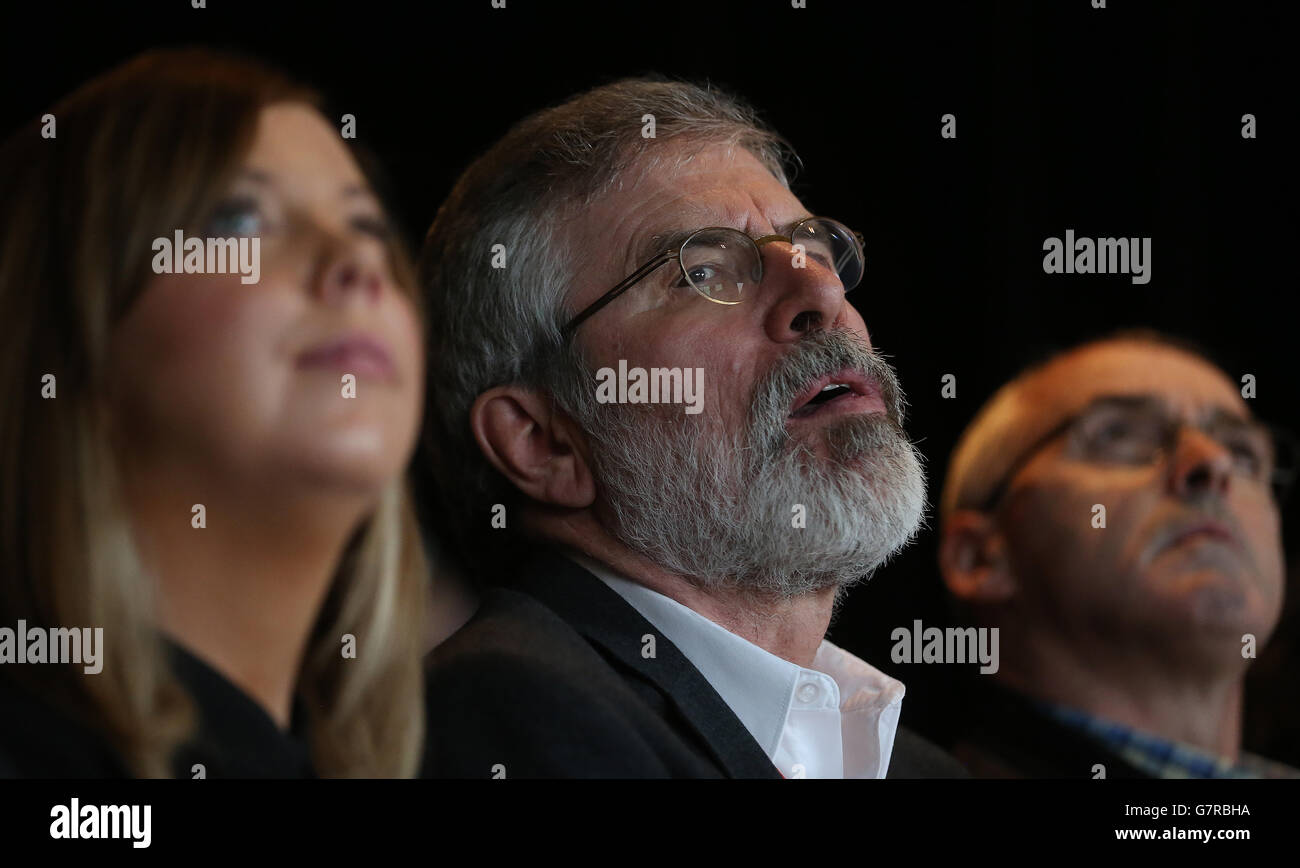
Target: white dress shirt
{"x":836,"y":720}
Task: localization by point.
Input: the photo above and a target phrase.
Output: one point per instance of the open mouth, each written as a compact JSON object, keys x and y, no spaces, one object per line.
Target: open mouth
{"x":840,"y":392}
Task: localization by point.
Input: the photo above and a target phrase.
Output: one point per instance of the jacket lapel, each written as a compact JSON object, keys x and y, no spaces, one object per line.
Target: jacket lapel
{"x":606,"y":619}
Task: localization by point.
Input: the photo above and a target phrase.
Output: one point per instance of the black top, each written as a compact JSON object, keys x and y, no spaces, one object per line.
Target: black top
{"x":1009,"y":736}
{"x":548,"y":680}
{"x":234,"y":737}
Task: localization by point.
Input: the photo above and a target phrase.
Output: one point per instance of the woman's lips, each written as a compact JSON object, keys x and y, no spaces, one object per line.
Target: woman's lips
{"x":351,"y":354}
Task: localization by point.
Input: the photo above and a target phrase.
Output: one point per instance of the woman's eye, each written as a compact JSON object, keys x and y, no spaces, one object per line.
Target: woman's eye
{"x":237,"y":217}
{"x":375,"y":226}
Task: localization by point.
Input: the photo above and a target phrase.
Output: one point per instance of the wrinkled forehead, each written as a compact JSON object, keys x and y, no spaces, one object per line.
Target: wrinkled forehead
{"x":673,"y":187}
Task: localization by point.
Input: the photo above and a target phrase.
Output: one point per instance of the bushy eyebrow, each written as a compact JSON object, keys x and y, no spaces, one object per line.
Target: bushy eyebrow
{"x":662,"y":242}
{"x":672,"y":239}
{"x":1220,"y":416}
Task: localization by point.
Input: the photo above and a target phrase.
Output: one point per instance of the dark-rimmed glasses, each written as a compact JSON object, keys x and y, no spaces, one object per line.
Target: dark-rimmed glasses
{"x":1136,"y":430}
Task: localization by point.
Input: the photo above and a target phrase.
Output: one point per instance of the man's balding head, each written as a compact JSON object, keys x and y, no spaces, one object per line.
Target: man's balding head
{"x":1028,"y":407}
{"x":1023,"y":539}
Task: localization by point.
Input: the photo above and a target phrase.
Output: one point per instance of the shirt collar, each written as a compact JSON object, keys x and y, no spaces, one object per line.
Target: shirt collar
{"x":759,"y":686}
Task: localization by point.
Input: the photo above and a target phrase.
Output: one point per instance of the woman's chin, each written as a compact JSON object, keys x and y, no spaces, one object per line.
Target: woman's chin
{"x":349,"y":465}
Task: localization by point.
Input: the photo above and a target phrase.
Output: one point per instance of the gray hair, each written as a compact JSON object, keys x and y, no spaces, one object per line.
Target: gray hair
{"x":495,"y":325}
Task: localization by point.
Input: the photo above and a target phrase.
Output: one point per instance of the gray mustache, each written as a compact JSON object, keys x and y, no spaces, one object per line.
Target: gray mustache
{"x":822,"y":352}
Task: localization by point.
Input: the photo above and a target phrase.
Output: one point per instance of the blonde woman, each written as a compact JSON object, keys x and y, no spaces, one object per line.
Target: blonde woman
{"x":201,"y":460}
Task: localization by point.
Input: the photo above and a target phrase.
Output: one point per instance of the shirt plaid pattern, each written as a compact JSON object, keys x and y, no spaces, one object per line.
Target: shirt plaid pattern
{"x":1161,"y":757}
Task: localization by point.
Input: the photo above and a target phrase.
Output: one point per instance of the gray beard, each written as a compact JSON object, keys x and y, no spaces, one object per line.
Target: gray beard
{"x":720,"y":508}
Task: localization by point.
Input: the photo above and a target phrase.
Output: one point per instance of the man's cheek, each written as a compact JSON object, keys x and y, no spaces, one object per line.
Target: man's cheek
{"x":1041,"y":529}
{"x":854,"y":321}
{"x":1069,"y":533}
{"x":1265,"y":545}
{"x":1261,"y":525}
{"x":1119,"y":526}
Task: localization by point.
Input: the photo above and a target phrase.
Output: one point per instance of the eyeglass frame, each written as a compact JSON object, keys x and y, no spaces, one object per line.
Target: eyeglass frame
{"x":1280,"y":481}
{"x":571,"y":327}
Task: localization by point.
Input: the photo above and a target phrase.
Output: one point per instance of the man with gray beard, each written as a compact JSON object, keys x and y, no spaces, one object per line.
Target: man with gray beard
{"x":732,"y":528}
{"x":661,"y":580}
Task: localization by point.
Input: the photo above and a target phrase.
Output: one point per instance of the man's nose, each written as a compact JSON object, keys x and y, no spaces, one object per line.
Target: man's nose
{"x":806,"y":295}
{"x":1199,"y":465}
{"x":348,"y":269}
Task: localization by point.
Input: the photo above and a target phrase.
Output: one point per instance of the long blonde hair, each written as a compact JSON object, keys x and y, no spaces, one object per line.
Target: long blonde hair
{"x":148,"y":146}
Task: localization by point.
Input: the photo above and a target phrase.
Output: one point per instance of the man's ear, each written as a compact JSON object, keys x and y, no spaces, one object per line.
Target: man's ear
{"x":973,"y":558}
{"x":535,"y":445}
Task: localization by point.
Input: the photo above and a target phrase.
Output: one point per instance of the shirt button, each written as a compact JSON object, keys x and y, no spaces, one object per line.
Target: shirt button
{"x":808,"y":693}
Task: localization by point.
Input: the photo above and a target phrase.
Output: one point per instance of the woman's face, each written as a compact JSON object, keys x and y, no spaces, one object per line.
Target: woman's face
{"x":310,"y":378}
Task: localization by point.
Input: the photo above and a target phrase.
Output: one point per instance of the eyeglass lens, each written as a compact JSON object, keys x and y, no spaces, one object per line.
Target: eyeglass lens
{"x":721,"y":263}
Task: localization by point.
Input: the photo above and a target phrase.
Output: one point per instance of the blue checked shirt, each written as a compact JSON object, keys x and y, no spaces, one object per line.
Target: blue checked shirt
{"x":1161,"y":757}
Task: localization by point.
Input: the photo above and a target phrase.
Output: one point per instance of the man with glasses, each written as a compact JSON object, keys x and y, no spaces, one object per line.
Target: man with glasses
{"x":671,"y":575}
{"x":1114,"y":512}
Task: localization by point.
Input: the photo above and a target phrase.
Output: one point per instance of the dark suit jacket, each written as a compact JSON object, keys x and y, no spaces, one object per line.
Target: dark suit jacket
{"x":548,"y":680}
{"x":1010,"y":737}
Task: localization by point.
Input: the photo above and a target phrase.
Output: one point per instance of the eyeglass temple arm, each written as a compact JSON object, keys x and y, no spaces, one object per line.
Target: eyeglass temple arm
{"x":622,"y":287}
{"x":990,"y":502}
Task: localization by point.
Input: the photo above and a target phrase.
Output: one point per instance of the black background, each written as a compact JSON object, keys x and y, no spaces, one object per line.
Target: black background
{"x":486,"y":822}
{"x":1123,"y":121}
